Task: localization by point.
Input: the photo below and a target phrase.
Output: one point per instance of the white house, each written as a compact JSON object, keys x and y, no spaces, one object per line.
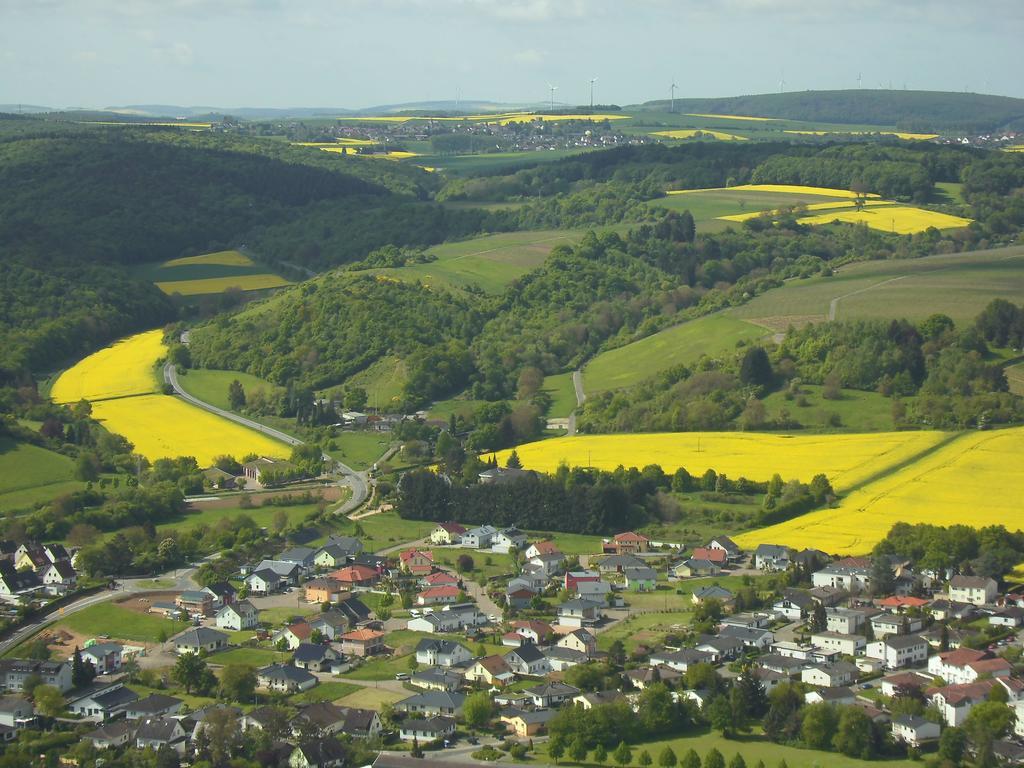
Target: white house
{"x":507,"y":539}
{"x":104,"y":657}
{"x":966,"y":665}
{"x":480,"y":537}
{"x":848,"y":645}
{"x":200,"y":640}
{"x":263,"y":582}
{"x":441,"y":653}
{"x":238,"y":616}
{"x":851,"y":574}
{"x":897,"y":651}
{"x":845,"y":621}
{"x":772,"y":557}
{"x":426,"y":731}
{"x":835,"y":675}
{"x":914,"y":730}
{"x":527,"y":660}
{"x":976,"y":590}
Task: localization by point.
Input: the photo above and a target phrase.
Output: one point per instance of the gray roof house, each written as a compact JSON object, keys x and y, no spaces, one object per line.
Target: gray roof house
{"x":200,"y":640}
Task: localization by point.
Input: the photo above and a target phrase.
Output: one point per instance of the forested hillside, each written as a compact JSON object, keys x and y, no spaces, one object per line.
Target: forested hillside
{"x":909,"y":110}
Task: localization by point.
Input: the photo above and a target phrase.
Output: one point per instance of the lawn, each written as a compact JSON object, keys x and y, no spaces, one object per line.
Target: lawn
{"x":563,"y":394}
{"x":644,"y":629}
{"x":681,"y":344}
{"x":1015,"y":378}
{"x":359,"y":450}
{"x":209,"y":273}
{"x":388,"y":529}
{"x":570,"y":543}
{"x":959,"y":285}
{"x":121,"y":623}
{"x":211,"y":386}
{"x":383,"y":381}
{"x":255,"y":657}
{"x":371,"y":698}
{"x":325,"y":692}
{"x":857,"y":411}
{"x":258,"y":282}
{"x":275,"y":617}
{"x":30,"y":474}
{"x":485,"y":564}
{"x":708,"y":205}
{"x":262,"y":516}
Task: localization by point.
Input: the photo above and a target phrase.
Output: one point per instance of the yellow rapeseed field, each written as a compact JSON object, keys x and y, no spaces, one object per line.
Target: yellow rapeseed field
{"x":783,"y":188}
{"x":220,"y":258}
{"x":847,"y":459}
{"x":897,"y":134}
{"x":811,"y":207}
{"x":221,"y":284}
{"x":691,"y":133}
{"x":734,"y":117}
{"x":529,"y":118}
{"x":1015,"y":148}
{"x":969,"y":480}
{"x":901,"y":219}
{"x":121,"y":383}
{"x":164,"y":426}
{"x":123,"y":369}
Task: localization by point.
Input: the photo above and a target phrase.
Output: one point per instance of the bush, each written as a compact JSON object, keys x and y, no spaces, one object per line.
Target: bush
{"x":490,"y":753}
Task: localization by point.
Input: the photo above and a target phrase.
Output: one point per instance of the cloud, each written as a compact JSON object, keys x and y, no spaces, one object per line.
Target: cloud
{"x":86,"y":56}
{"x":176,"y":53}
{"x":528,"y":10}
{"x":528,"y":56}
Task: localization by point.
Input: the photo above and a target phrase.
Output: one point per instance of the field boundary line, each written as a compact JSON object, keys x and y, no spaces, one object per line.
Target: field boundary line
{"x":506,"y":247}
{"x":900,"y":465}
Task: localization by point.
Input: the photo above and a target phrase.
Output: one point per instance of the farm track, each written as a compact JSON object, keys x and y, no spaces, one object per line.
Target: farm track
{"x":356,"y":480}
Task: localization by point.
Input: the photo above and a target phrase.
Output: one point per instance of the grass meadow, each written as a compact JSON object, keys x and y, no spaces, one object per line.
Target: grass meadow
{"x":30,"y":474}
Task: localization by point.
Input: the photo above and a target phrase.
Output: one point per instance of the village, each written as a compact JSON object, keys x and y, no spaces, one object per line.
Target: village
{"x":459,"y":665}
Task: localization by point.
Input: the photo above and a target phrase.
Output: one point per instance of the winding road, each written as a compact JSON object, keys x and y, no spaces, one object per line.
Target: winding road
{"x":356,"y":480}
{"x":581,"y":396}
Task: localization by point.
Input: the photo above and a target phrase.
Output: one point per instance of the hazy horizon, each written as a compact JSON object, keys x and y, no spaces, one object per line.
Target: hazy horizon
{"x":354,"y":54}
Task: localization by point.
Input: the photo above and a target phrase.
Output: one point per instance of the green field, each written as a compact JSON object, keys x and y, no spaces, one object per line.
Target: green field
{"x":255,"y":657}
{"x":209,"y":273}
{"x":857,"y":411}
{"x":706,"y":206}
{"x":490,"y":262}
{"x":563,"y":394}
{"x":360,"y":450}
{"x":681,"y":344}
{"x":959,"y":285}
{"x":1015,"y":378}
{"x":211,"y":386}
{"x":383,"y":381}
{"x":325,"y":692}
{"x":276,"y":617}
{"x":388,"y":529}
{"x":121,"y":623}
{"x":369,"y":698}
{"x":493,"y":161}
{"x":30,"y":475}
{"x":262,"y":516}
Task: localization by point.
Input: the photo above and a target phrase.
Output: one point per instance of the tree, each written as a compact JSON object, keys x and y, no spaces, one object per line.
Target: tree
{"x":883,"y":579}
{"x":656,"y":711}
{"x":667,"y":758}
{"x":578,"y":750}
{"x":478,"y":709}
{"x":556,"y":748}
{"x":238,"y":682}
{"x":225,"y":735}
{"x":513,"y":461}
{"x":81,"y":673}
{"x":756,"y":368}
{"x":190,"y":672}
{"x":236,"y":395}
{"x":819,"y":726}
{"x":714,"y":759}
{"x":737,"y":761}
{"x":355,"y":399}
{"x":690,"y":760}
{"x":645,"y":758}
{"x":855,"y":736}
{"x":622,"y":755}
{"x":600,"y":754}
{"x":987,"y":722}
{"x":30,"y":683}
{"x":720,"y":716}
{"x":280,"y":521}
{"x":464,"y":564}
{"x":617,"y":653}
{"x":782,"y":722}
{"x":952,"y":745}
{"x":48,"y":700}
{"x":417,"y":750}
{"x":819,"y":619}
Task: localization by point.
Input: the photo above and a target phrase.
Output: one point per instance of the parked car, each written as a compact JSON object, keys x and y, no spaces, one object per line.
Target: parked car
{"x":401,"y":675}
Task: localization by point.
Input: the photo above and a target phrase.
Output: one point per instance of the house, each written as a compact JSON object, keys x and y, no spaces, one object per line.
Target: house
{"x":847,"y":645}
{"x":154,"y":705}
{"x":329,"y":719}
{"x":362,"y":642}
{"x":751,"y":637}
{"x":318,"y":753}
{"x":645,"y":676}
{"x":885,"y":624}
{"x":721,"y":648}
{"x":287,"y":571}
{"x":527,"y":660}
{"x":451,"y":619}
{"x":438,"y":595}
{"x":572,"y":579}
{"x":914,"y":730}
{"x":157,"y":732}
{"x":439,"y":579}
{"x":579,"y":613}
{"x":680,"y":660}
{"x":772,"y":557}
{"x":903,"y":682}
{"x":732,"y":551}
{"x":526,"y":724}
{"x":293,"y":635}
{"x":795,"y":604}
{"x":836,"y":675}
{"x":898,"y":603}
{"x":598,"y":592}
{"x":433,"y":703}
{"x":331,"y":624}
{"x":549,"y":563}
{"x":200,"y":640}
{"x":100,"y":699}
{"x":717,"y":556}
{"x":508,"y":539}
{"x":60,"y":575}
{"x":898,"y":651}
{"x":285,"y":678}
{"x":314,"y":657}
{"x":844,"y":621}
{"x":16,"y":712}
{"x":263,"y":582}
{"x":944,"y":610}
{"x":965,"y":665}
{"x":104,"y":657}
{"x":748,"y":619}
{"x":562,"y":659}
{"x":336,"y":552}
{"x":713,"y":592}
{"x":426,"y":731}
{"x":835,"y":696}
{"x":325,"y":590}
{"x":222,"y":593}
{"x":14,"y":672}
{"x":304,"y":557}
{"x":551,"y":694}
{"x":641,"y":579}
{"x":14,"y":583}
{"x":976,"y":590}
{"x":1011,"y":617}
{"x":533,"y":630}
{"x":519,"y":598}
{"x":437,"y":679}
{"x":195,"y":602}
{"x":447,"y":533}
{"x":955,"y":702}
{"x":238,"y":616}
{"x":852,"y":574}
{"x":579,"y":640}
{"x":30,"y":557}
{"x":480,"y":537}
{"x":112,"y":735}
{"x":628,"y":543}
{"x":618,"y":563}
{"x":491,"y":670}
{"x":546,"y":547}
{"x":784,"y":665}
{"x":441,"y":653}
{"x":696,"y":567}
{"x":265,"y":468}
{"x":416,"y":561}
{"x":356,"y":575}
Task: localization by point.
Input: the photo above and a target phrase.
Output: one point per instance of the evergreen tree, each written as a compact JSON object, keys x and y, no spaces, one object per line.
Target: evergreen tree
{"x":82,"y":673}
{"x":667,"y":758}
{"x":236,"y":395}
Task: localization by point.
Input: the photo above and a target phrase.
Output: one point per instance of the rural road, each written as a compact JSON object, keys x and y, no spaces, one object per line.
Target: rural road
{"x":357,"y":480}
{"x":833,"y":305}
{"x":581,"y":396}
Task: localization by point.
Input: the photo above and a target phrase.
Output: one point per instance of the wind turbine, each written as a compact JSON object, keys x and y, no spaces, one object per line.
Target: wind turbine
{"x":552,"y":89}
{"x":782,"y":86}
{"x":860,"y":78}
{"x":672,"y":109}
{"x":592,"y":81}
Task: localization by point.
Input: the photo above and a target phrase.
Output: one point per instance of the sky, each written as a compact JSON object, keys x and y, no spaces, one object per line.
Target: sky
{"x":360,"y":53}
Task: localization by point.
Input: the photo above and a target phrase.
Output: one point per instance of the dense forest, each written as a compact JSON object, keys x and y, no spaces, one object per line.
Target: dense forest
{"x":909,"y":110}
